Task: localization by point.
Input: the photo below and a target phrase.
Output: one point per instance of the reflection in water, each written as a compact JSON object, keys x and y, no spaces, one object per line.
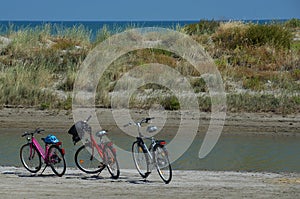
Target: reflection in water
{"x":239,"y":153}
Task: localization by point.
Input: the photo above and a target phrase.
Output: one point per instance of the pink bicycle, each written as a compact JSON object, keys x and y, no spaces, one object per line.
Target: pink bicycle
{"x":93,"y":157}
{"x":53,"y":154}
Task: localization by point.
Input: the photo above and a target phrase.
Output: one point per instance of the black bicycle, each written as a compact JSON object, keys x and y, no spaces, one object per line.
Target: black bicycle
{"x":145,"y":158}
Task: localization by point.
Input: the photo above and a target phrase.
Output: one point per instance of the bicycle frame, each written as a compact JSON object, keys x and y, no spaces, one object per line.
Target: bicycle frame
{"x":147,"y":149}
{"x":140,"y":140}
{"x":39,"y":148}
{"x":41,"y":151}
{"x":99,"y":147}
{"x":95,"y":145}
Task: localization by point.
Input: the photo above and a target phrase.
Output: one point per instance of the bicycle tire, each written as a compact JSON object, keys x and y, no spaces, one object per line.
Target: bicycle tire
{"x":87,"y":162}
{"x":112,"y":163}
{"x":34,"y":163}
{"x":162,"y":163}
{"x":141,"y":159}
{"x":56,"y":160}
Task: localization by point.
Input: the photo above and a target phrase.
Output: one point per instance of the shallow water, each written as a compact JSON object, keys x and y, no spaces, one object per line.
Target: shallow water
{"x":245,"y":153}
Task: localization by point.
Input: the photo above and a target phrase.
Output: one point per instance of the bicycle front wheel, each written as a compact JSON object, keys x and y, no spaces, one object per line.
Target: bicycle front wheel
{"x":141,"y":160}
{"x":162,"y":163}
{"x":30,"y":158}
{"x":88,"y":161}
{"x":112,"y":163}
{"x":56,"y":160}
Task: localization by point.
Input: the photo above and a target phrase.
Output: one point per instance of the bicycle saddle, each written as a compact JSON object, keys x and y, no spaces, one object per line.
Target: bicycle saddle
{"x":151,"y":129}
{"x":101,"y":133}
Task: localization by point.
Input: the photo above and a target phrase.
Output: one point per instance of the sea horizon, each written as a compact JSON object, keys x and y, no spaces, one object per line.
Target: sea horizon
{"x":113,"y":25}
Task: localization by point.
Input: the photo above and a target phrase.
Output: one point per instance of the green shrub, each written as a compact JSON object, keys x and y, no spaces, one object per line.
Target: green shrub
{"x":296,"y":74}
{"x":253,"y":83}
{"x":203,"y":27}
{"x":171,"y":103}
{"x":295,"y":46}
{"x":293,"y":23}
{"x":204,"y":104}
{"x":273,"y":35}
{"x":199,"y":85}
{"x":63,"y":44}
{"x":232,"y":36}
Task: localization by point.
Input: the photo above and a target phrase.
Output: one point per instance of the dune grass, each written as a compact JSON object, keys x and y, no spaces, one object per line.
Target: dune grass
{"x":259,"y":65}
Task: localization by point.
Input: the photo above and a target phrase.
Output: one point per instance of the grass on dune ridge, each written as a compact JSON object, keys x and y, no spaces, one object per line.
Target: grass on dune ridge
{"x":259,"y":63}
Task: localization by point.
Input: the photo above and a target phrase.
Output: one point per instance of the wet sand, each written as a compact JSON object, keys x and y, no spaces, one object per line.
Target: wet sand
{"x":235,"y":123}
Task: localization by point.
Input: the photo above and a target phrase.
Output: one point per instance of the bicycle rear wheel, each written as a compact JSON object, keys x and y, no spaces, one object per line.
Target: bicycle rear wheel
{"x":162,"y":163}
{"x":88,"y":162}
{"x":56,"y":160}
{"x":30,"y":158}
{"x":112,"y":163}
{"x":141,"y":159}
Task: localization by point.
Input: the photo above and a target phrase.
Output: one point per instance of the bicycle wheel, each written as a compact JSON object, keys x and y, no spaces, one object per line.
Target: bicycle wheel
{"x":141,"y":160}
{"x":56,"y":160}
{"x":87,"y":162}
{"x":30,"y":158}
{"x":162,"y":163}
{"x":112,"y":163}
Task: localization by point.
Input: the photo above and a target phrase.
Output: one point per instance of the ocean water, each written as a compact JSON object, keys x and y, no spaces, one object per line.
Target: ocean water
{"x":93,"y":26}
{"x":113,"y":26}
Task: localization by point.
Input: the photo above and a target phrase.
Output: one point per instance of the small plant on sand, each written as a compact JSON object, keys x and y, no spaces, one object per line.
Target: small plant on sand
{"x":170,"y":103}
{"x":253,"y":83}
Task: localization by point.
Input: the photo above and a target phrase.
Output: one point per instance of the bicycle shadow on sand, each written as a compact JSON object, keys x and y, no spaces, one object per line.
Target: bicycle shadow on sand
{"x":141,"y":181}
{"x":35,"y":175}
{"x":82,"y":176}
{"x":121,"y":179}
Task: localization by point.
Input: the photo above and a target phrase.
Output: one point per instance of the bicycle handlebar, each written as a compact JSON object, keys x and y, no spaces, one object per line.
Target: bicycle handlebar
{"x":38,"y":131}
{"x":89,"y":117}
{"x":144,"y":120}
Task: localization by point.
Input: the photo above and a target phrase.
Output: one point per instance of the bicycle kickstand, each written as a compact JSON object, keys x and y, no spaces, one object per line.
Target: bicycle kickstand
{"x":146,"y":176}
{"x":102,"y":166}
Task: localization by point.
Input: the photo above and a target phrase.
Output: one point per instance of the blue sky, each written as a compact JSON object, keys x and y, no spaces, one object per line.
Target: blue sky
{"x":98,"y":10}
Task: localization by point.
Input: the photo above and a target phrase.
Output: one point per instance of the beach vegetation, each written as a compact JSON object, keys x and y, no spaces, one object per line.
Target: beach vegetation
{"x":202,"y":27}
{"x":293,"y":23}
{"x":259,"y":64}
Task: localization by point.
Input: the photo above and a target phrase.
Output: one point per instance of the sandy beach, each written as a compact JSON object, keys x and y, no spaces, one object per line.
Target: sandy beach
{"x":19,"y":183}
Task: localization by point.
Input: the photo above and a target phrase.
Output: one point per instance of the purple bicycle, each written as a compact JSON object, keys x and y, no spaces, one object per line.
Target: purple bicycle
{"x":53,"y":154}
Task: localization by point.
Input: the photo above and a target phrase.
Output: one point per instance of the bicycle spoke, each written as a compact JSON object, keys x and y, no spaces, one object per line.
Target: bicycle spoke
{"x":112,"y":163}
{"x":162,"y":164}
{"x":30,"y":158}
{"x":56,"y":160}
{"x":88,"y":162}
{"x":140,"y":160}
